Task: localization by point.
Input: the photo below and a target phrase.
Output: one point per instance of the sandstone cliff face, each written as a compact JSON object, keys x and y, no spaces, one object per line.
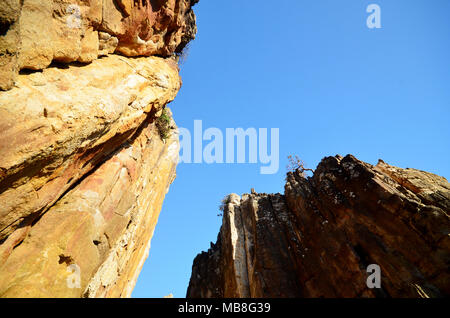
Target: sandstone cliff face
{"x":83,"y":168}
{"x":318,"y":238}
{"x":33,"y":33}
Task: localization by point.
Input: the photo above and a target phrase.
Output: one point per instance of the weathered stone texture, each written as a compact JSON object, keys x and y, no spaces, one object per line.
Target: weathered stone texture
{"x":9,"y":42}
{"x":35,"y":33}
{"x":84,"y":166}
{"x":83,"y":175}
{"x":318,"y":239}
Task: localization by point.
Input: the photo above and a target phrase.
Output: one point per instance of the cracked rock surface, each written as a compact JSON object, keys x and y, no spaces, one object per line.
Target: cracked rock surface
{"x":83,"y":167}
{"x":318,"y":239}
{"x":35,"y":33}
{"x":83,"y":176}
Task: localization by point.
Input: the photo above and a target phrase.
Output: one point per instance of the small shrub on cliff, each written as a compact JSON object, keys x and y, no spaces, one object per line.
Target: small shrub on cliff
{"x":163,"y":124}
{"x":295,"y":163}
{"x":223,"y":204}
{"x":183,"y":55}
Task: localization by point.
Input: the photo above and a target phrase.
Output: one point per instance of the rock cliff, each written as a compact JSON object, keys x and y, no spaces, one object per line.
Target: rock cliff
{"x":83,"y":166}
{"x":34,"y":33}
{"x":318,"y":239}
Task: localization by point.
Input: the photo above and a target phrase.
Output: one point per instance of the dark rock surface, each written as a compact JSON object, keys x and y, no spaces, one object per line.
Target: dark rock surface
{"x":318,"y":239}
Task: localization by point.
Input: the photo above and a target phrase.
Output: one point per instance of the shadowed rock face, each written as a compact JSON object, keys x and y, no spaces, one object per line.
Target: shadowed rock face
{"x":35,"y":33}
{"x":318,"y":239}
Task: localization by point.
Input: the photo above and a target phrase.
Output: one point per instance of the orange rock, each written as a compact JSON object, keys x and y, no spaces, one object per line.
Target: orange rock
{"x":83,"y":169}
{"x":102,"y":227}
{"x":83,"y":176}
{"x":71,"y":31}
{"x":55,"y":132}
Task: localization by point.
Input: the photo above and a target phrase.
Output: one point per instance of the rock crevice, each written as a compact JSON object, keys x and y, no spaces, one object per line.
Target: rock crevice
{"x":82,"y":31}
{"x":83,"y":167}
{"x":318,"y":239}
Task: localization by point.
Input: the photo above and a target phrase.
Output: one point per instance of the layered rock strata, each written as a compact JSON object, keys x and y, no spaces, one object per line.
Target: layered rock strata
{"x":318,"y":239}
{"x":83,"y":175}
{"x":84,"y":167}
{"x":35,"y":33}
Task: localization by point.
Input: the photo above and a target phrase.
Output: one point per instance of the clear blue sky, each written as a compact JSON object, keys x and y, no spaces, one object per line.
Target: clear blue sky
{"x":332,"y":86}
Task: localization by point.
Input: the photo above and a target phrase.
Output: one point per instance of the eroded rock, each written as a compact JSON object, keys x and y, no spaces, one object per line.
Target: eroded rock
{"x":318,"y":239}
{"x":9,"y":42}
{"x":83,"y":175}
{"x":35,"y":33}
{"x":83,"y":166}
{"x":55,"y":132}
{"x":93,"y":242}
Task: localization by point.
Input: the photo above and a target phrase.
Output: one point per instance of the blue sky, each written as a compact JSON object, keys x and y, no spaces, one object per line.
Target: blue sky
{"x":330,"y":84}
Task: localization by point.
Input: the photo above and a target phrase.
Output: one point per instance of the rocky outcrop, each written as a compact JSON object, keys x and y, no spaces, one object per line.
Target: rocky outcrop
{"x":9,"y":42}
{"x":83,"y":175}
{"x":84,"y":167}
{"x":35,"y":33}
{"x":318,"y":239}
